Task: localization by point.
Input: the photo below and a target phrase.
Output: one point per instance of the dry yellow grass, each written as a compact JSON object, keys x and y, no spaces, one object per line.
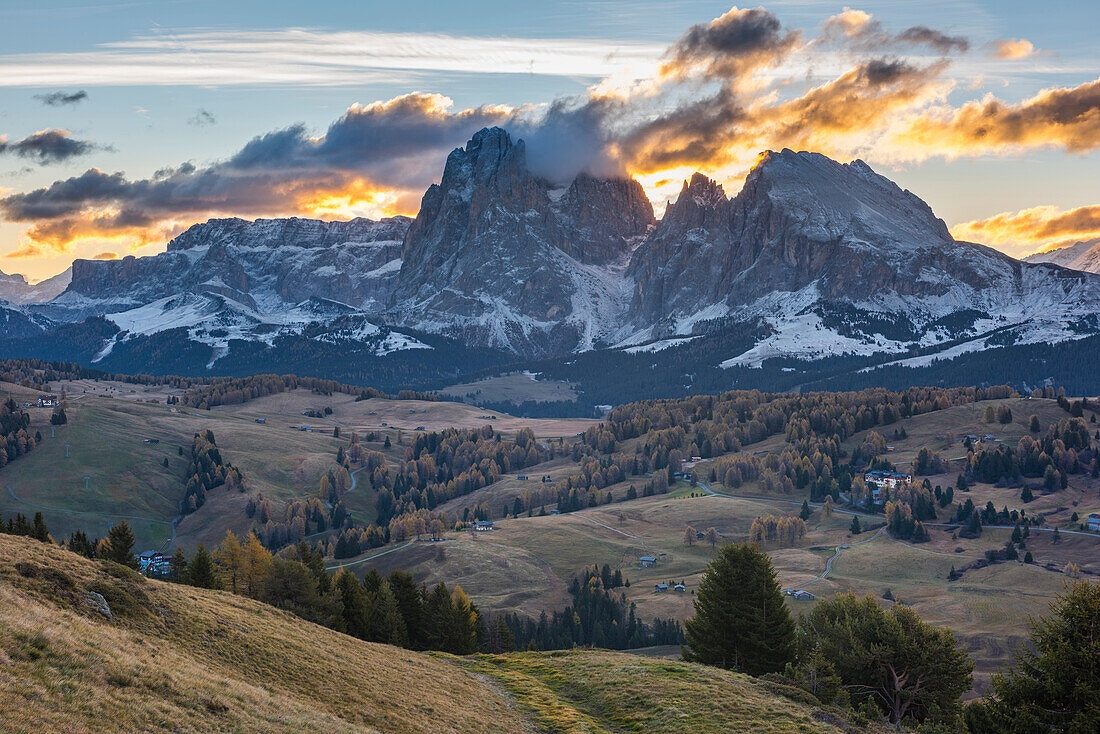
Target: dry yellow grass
{"x":179,"y":659}
{"x":188,"y":660}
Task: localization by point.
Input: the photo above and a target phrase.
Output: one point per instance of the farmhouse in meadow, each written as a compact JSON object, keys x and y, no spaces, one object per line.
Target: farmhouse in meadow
{"x":1093,"y":523}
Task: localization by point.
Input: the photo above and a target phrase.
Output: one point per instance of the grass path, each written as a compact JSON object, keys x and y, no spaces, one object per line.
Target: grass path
{"x":836,"y":554}
{"x":368,"y":558}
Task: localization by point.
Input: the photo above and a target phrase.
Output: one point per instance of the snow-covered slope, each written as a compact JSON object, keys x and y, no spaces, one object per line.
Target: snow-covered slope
{"x":1084,"y":255}
{"x":217,"y":320}
{"x":836,"y":259}
{"x":16,"y":289}
{"x":270,"y":263}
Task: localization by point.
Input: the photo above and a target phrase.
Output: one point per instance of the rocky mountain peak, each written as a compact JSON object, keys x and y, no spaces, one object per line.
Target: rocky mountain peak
{"x":500,"y":254}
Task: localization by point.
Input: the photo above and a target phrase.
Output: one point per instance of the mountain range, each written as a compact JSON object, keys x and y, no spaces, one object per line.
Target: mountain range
{"x":1083,"y":255}
{"x":812,"y":259}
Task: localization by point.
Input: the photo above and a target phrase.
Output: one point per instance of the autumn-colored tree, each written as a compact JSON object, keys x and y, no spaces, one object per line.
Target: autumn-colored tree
{"x":256,"y":563}
{"x":690,"y":536}
{"x":229,"y":562}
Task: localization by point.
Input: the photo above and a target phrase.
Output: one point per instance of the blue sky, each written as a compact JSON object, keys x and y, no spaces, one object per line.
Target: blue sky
{"x":169,"y":83}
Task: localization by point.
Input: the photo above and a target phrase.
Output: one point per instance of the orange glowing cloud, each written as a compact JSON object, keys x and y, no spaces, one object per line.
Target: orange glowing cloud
{"x":1063,"y":118}
{"x":358,"y":198}
{"x":1028,"y":230}
{"x":1013,"y":48}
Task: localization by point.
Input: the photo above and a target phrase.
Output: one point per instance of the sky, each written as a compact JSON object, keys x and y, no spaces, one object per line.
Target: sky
{"x":124,"y":122}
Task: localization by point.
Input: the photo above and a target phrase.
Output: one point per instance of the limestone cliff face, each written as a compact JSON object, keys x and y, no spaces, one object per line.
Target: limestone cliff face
{"x":807,"y":232}
{"x":273,"y":262}
{"x":508,"y":260}
{"x":831,"y":257}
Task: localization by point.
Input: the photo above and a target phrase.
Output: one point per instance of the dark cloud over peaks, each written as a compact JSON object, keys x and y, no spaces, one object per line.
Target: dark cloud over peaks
{"x":731,"y":45}
{"x":48,"y":146}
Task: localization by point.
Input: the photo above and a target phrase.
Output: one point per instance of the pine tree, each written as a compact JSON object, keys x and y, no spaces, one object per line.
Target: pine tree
{"x":39,"y":531}
{"x":391,"y":627}
{"x":407,"y":595}
{"x":1055,"y":683}
{"x":465,"y":623}
{"x":855,"y":528}
{"x":438,"y":615}
{"x":1026,"y":494}
{"x":120,"y":545}
{"x":740,"y":619}
{"x":200,"y":571}
{"x":354,"y":609}
{"x":806,"y":511}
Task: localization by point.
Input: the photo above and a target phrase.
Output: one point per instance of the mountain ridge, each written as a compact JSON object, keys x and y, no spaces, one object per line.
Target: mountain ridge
{"x":817,"y":258}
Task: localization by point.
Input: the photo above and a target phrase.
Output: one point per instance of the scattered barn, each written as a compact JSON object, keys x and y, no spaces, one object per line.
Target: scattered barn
{"x":648,"y":561}
{"x":1093,"y":522}
{"x":483,"y":526}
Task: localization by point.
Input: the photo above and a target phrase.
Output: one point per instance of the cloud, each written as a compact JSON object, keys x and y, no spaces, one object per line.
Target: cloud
{"x":48,"y":146}
{"x":862,"y":31}
{"x":923,"y":35}
{"x":202,"y":118}
{"x":1055,"y":118}
{"x":108,"y":255}
{"x":722,"y":92}
{"x":26,"y":250}
{"x":59,"y":99}
{"x":731,"y":45}
{"x":375,"y":159}
{"x":304,"y":57}
{"x":1028,"y":230}
{"x":1013,"y":48}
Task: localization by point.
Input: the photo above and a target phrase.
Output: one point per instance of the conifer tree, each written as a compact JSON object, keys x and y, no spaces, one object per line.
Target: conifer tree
{"x":740,"y":619}
{"x":353,"y":618}
{"x":391,"y":628}
{"x":1055,"y":683}
{"x":39,"y":531}
{"x":438,"y":615}
{"x":200,"y":571}
{"x":120,"y":545}
{"x":407,"y":595}
{"x":855,"y":528}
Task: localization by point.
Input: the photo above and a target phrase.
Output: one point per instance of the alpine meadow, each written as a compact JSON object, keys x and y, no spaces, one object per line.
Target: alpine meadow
{"x":576,"y":367}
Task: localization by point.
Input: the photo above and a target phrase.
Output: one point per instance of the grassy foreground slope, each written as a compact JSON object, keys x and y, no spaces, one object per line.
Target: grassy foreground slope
{"x":176,"y":658}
